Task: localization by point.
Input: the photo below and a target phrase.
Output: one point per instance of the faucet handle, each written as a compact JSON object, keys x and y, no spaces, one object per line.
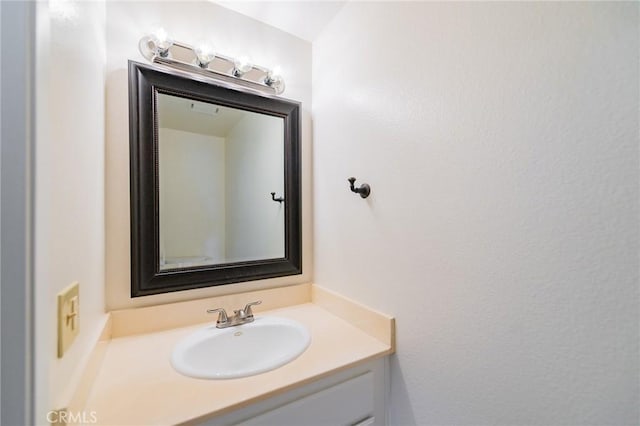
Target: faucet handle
{"x":247,"y":308}
{"x":222,"y":315}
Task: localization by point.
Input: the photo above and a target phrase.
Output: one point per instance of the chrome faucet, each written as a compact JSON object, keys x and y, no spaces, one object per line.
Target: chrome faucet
{"x":241,"y":316}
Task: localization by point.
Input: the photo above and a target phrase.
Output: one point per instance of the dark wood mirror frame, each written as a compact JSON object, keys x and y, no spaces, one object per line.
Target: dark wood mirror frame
{"x":145,"y":82}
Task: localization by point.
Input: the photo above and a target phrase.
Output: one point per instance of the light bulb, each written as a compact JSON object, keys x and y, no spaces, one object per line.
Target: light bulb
{"x":162,"y":41}
{"x":272,"y":76}
{"x":205,"y":53}
{"x":241,"y":65}
{"x":275,"y":80}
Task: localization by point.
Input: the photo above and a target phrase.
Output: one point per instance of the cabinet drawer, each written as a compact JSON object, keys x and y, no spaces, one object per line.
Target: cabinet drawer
{"x":345,"y":403}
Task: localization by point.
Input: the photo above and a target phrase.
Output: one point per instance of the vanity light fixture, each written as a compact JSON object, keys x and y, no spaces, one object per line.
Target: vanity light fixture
{"x":202,"y":59}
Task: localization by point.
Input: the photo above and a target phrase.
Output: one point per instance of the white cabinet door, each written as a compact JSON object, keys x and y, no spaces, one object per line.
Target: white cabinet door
{"x":346,"y":403}
{"x":353,"y":397}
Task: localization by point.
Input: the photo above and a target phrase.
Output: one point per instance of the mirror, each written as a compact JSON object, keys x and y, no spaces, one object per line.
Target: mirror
{"x":215,"y":183}
{"x":217,"y":169}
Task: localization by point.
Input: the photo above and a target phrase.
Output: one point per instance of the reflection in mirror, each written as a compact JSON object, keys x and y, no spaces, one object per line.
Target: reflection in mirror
{"x":217,"y":169}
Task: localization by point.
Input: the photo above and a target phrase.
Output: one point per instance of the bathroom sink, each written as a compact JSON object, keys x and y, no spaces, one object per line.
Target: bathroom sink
{"x":244,"y":350}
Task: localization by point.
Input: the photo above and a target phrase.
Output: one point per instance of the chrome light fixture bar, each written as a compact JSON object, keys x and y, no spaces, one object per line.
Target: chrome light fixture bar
{"x":202,"y":60}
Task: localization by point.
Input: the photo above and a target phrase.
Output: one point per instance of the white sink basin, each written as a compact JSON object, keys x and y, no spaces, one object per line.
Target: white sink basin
{"x":262,"y":345}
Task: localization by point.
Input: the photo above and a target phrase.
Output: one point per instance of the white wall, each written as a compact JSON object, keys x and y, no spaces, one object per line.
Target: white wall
{"x":233,"y":34}
{"x":255,"y":160}
{"x":192,"y":200}
{"x":69,"y":199}
{"x":501,"y":144}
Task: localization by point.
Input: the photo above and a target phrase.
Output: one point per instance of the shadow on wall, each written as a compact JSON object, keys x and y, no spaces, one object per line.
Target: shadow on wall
{"x":117,"y":181}
{"x":400,"y":410}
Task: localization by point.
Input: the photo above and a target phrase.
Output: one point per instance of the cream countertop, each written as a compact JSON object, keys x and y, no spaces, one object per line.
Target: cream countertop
{"x":136,"y":384}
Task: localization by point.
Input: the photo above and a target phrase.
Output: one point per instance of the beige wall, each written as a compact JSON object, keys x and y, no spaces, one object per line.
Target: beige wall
{"x":233,"y":34}
{"x":501,"y":146}
{"x":69,"y":199}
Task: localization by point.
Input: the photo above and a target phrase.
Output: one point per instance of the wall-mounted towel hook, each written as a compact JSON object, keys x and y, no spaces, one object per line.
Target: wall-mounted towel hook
{"x":364,"y":190}
{"x":279,"y":199}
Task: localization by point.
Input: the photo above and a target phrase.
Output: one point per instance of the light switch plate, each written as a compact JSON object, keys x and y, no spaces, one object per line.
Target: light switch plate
{"x":68,"y":317}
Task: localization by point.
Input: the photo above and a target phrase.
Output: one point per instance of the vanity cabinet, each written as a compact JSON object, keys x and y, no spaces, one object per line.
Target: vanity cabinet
{"x":356,"y":396}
